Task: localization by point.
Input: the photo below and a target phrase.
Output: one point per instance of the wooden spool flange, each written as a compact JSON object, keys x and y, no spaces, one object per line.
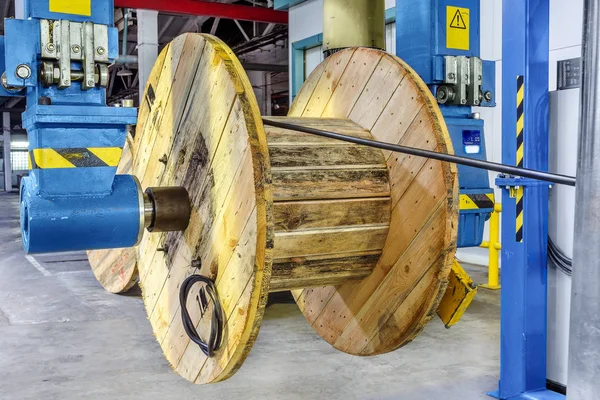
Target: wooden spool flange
{"x":365,"y":238}
{"x":116,"y":269}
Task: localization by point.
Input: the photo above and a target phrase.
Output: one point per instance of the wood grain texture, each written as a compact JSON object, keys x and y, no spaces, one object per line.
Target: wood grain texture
{"x":116,"y":269}
{"x":204,"y":119}
{"x":303,"y":272}
{"x":391,"y":306}
{"x":332,"y":205}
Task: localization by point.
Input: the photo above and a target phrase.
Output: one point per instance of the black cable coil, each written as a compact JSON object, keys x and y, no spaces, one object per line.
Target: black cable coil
{"x":216,"y":322}
{"x":559,"y":258}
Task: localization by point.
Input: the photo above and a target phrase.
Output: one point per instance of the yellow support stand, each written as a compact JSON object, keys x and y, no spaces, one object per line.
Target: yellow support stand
{"x":494,"y":247}
{"x":459,"y":294}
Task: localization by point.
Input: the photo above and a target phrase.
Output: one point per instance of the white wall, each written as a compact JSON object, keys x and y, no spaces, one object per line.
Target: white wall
{"x":566,"y":25}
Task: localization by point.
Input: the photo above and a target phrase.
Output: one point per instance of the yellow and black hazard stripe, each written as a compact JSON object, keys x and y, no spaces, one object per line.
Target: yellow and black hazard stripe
{"x":520,"y":120}
{"x":519,"y":226}
{"x":476,"y":201}
{"x":75,"y":157}
{"x":520,"y":153}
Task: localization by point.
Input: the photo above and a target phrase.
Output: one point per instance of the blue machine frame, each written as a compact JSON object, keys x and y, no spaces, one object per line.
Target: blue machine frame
{"x":421,"y":29}
{"x":72,"y":199}
{"x":523,"y":312}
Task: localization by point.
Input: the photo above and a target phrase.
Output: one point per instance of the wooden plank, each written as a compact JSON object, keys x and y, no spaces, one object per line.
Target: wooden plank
{"x":377,"y":93}
{"x":349,"y":299}
{"x":356,"y":75}
{"x":328,"y":241}
{"x":171,"y":92}
{"x":307,"y":89}
{"x":394,"y":289}
{"x":289,"y":184}
{"x":327,"y":84}
{"x":285,"y":137}
{"x":303,"y":272}
{"x":309,"y":156}
{"x":171,"y":115}
{"x":146,"y":134}
{"x":407,"y":167}
{"x":298,"y":215}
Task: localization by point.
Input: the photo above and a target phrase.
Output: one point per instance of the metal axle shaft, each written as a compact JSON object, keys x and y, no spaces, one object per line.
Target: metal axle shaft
{"x":487,"y":165}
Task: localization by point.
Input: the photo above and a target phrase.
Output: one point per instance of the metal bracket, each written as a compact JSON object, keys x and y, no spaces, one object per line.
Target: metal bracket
{"x":62,"y":42}
{"x":463,"y":80}
{"x":507,"y":182}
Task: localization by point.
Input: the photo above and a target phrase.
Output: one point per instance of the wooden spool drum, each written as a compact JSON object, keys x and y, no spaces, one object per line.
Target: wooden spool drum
{"x":364,"y":238}
{"x":116,"y":269}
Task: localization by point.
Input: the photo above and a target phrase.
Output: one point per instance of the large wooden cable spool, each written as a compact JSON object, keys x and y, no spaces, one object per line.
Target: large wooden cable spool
{"x":364,"y":238}
{"x":116,"y":269}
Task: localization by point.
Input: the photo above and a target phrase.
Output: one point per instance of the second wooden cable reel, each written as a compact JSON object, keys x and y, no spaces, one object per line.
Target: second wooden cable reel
{"x":364,"y":238}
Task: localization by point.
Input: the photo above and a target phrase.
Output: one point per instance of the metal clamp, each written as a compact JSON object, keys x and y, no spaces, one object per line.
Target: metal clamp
{"x":63,"y":42}
{"x":463,"y":80}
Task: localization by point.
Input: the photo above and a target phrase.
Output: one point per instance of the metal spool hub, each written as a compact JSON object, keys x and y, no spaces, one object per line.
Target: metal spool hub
{"x":364,"y":238}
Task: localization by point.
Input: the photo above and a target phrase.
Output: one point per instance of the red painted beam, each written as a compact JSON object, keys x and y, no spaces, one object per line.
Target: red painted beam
{"x":209,"y":9}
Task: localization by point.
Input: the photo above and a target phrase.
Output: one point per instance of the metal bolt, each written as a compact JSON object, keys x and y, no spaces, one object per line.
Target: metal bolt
{"x":487,"y":96}
{"x":164,"y":249}
{"x":128,"y":103}
{"x":463,"y":101}
{"x":163,"y":159}
{"x":476,"y":102}
{"x":75,"y":48}
{"x":100,"y":50}
{"x":451,"y":75}
{"x":90,"y":82}
{"x":23,"y":71}
{"x":197,"y":263}
{"x":50,"y":47}
{"x":479,"y":77}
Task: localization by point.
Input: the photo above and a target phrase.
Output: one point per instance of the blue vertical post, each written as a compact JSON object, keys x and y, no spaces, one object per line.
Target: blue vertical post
{"x":525,"y":41}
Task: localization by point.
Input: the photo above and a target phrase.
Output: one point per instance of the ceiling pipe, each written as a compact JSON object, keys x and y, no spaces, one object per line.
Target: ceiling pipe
{"x":207,"y":9}
{"x":353,"y":23}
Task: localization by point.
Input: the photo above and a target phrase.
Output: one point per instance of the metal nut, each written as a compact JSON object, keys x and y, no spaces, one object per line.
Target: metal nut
{"x":23,"y":71}
{"x":50,"y":47}
{"x":101,"y":50}
{"x":75,"y":48}
{"x":487,"y":96}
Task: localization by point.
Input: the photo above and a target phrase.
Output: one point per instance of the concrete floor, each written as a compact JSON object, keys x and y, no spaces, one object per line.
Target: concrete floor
{"x":63,"y":337}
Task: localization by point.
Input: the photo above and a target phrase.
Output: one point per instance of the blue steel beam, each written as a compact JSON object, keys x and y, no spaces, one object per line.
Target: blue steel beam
{"x":524,"y":262}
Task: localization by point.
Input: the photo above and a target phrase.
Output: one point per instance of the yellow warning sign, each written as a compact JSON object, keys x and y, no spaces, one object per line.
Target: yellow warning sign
{"x":457,"y":28}
{"x":77,"y":7}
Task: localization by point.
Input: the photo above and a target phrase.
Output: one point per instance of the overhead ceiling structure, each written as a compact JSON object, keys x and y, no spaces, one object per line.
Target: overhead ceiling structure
{"x":256,"y":32}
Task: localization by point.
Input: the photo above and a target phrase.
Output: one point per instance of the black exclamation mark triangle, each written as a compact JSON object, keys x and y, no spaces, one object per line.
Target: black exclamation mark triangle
{"x":458,"y":22}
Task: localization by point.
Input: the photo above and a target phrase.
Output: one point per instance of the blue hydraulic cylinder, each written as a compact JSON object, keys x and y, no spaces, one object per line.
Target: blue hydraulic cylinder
{"x":426,"y":32}
{"x":58,"y":57}
{"x":52,"y":224}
